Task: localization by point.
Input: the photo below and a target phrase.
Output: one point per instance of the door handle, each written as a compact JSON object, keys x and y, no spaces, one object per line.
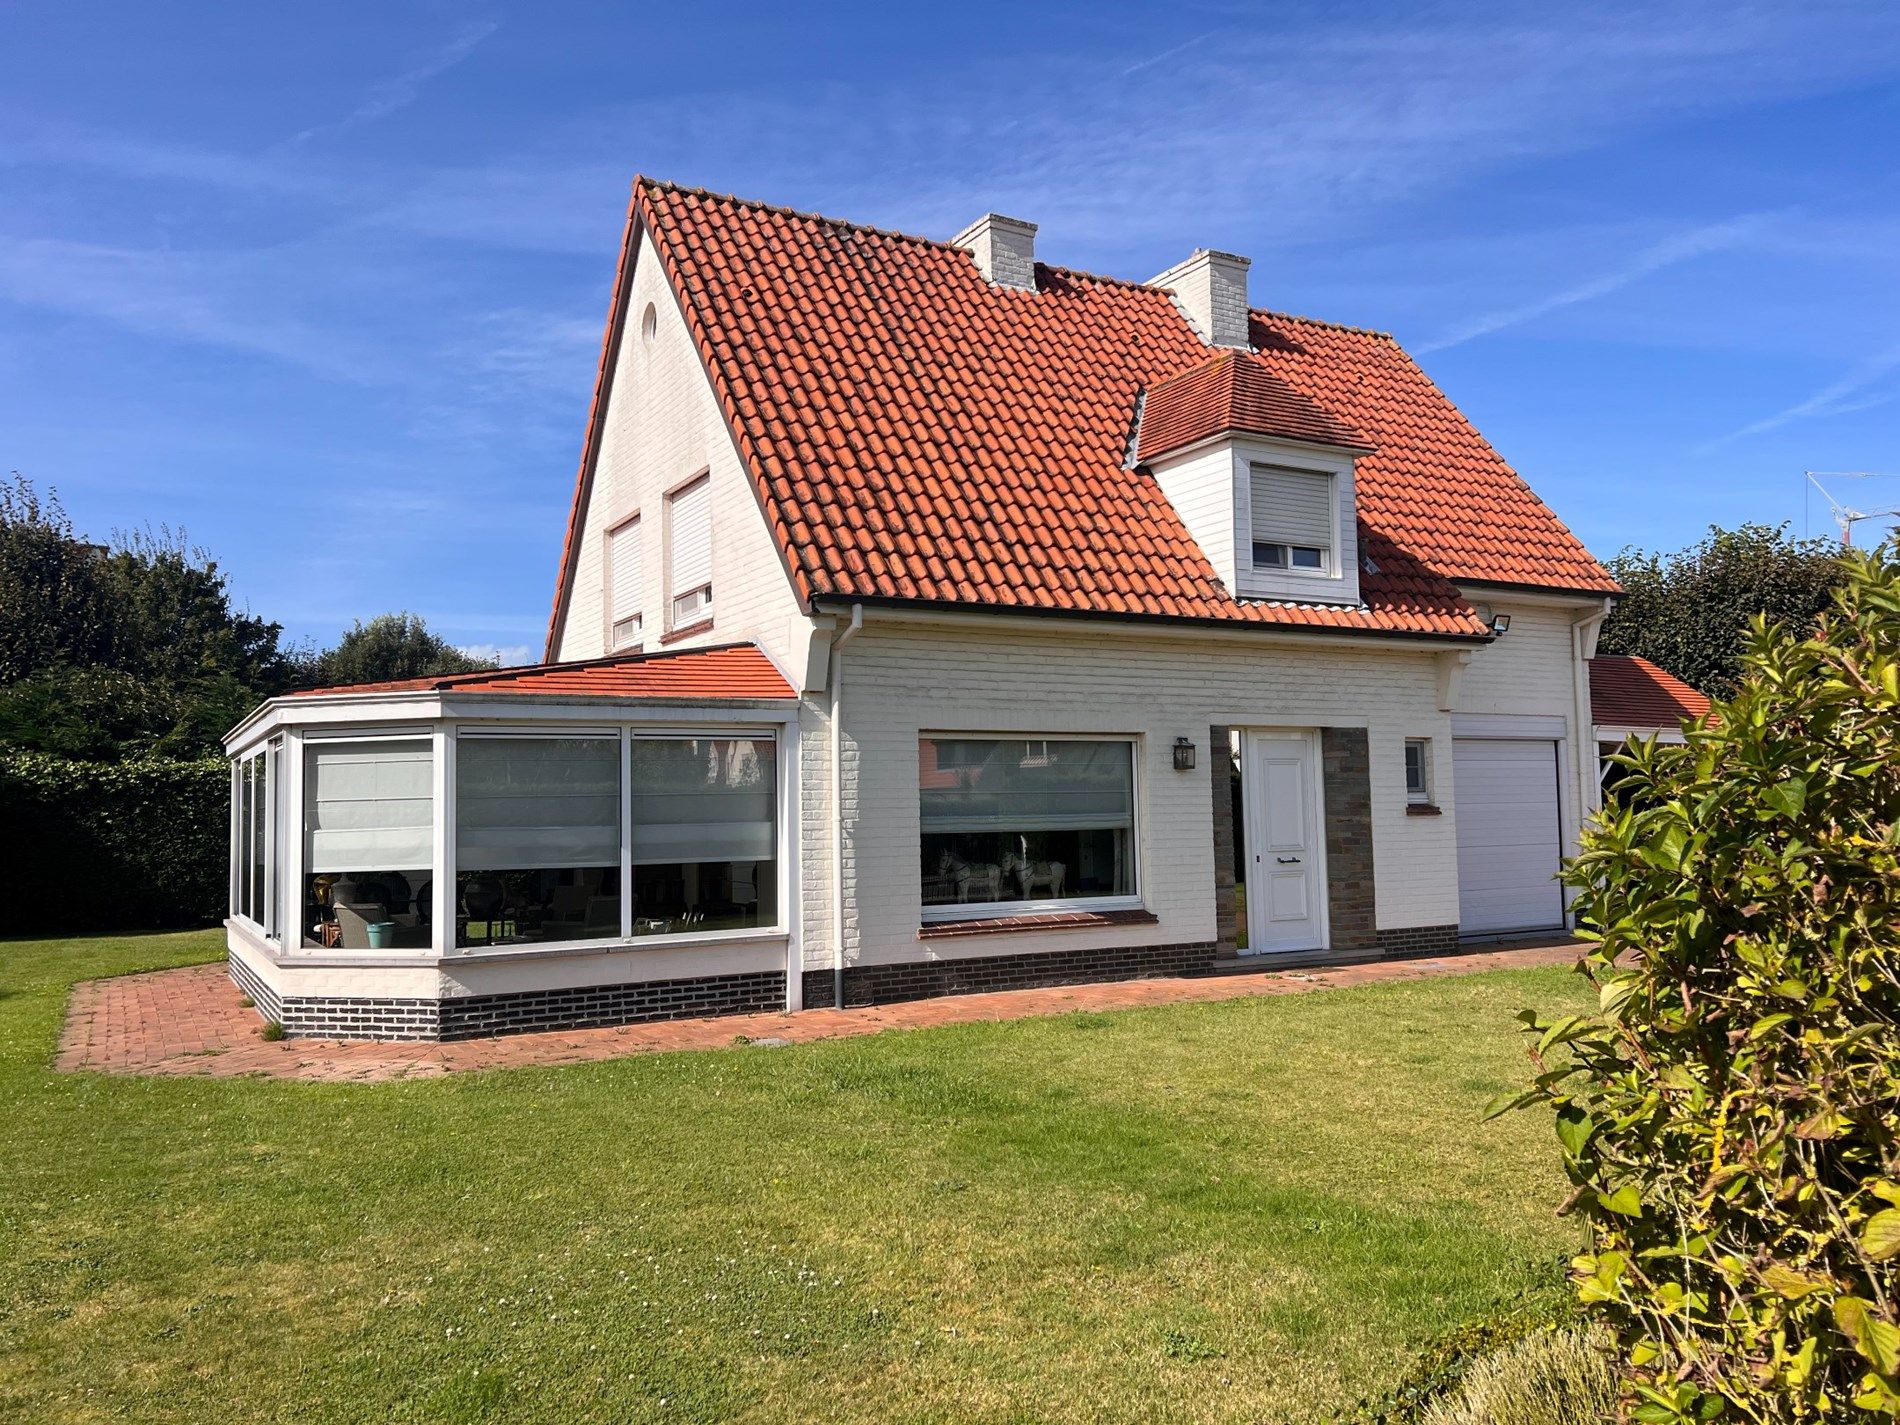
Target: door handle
{"x":1289,"y":860}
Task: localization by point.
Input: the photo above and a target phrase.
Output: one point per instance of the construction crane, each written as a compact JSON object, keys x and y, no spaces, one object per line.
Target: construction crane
{"x":1845,"y":516}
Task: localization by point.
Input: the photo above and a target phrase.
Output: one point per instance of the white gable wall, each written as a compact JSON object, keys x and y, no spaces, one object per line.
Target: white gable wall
{"x":662,"y":426}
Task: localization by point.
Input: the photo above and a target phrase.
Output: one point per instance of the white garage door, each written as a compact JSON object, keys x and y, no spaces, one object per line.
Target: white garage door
{"x":1509,"y":842}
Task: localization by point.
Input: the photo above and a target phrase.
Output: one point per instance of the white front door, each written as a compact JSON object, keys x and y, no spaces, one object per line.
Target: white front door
{"x":1286,"y":856}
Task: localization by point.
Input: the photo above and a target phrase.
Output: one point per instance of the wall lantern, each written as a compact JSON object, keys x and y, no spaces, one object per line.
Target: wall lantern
{"x":1183,"y":755}
{"x":1500,"y":624}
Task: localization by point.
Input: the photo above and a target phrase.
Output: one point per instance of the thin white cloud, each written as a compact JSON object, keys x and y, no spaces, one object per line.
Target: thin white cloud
{"x":401,"y":91}
{"x":210,"y":299}
{"x":1168,"y":53}
{"x":1849,"y":394}
{"x":1682,"y":247}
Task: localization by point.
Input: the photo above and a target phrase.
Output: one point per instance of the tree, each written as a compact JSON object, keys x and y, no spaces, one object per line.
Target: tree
{"x":54,"y":606}
{"x":1689,"y":611}
{"x":119,"y":650}
{"x":1728,"y":1116}
{"x":387,"y":648}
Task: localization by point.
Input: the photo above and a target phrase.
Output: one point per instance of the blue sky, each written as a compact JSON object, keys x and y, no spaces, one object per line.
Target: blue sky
{"x":322,"y":285}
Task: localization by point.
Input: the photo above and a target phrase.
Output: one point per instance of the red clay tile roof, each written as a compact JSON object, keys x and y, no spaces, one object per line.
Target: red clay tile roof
{"x":1626,"y":691}
{"x":1233,"y":392}
{"x":737,"y":670}
{"x":918,"y":434}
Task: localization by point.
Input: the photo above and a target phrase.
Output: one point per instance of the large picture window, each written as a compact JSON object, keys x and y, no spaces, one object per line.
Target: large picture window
{"x":1009,"y":822}
{"x":704,"y":834}
{"x":369,"y":843}
{"x":537,"y":839}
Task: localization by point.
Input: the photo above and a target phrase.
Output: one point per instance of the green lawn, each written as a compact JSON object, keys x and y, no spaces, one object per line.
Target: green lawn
{"x":1239,"y":1212}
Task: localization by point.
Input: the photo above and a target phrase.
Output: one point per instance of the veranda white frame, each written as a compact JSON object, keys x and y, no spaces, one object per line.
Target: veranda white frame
{"x":442,"y":718}
{"x":270,"y":895}
{"x":993,"y":910}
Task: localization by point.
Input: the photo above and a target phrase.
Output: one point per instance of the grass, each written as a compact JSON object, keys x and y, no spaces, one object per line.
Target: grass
{"x":1256,"y":1210}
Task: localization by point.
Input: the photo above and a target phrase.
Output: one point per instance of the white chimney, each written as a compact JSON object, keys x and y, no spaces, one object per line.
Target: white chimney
{"x":1005,"y":249}
{"x":1210,"y":288}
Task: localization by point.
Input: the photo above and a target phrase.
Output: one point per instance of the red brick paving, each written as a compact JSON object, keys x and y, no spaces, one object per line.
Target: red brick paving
{"x":193,"y":1021}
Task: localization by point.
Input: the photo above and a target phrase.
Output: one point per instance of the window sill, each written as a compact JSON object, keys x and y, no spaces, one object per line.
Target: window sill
{"x":1423,"y":809}
{"x":686,"y":630}
{"x":1048,"y":920}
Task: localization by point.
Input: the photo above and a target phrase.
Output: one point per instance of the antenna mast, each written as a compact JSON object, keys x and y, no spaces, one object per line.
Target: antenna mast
{"x":1845,"y":516}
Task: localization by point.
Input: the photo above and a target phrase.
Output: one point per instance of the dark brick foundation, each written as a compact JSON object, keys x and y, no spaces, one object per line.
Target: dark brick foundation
{"x":931,"y":979}
{"x":1420,"y":940}
{"x":479,"y":1016}
{"x":261,"y":994}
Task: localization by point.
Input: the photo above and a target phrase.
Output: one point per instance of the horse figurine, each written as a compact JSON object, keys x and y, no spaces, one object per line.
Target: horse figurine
{"x":982,"y":881}
{"x":1031,"y":875}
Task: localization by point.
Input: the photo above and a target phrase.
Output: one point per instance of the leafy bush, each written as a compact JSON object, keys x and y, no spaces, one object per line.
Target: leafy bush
{"x":112,"y":846}
{"x":1550,"y":1378}
{"x":1731,"y":1116}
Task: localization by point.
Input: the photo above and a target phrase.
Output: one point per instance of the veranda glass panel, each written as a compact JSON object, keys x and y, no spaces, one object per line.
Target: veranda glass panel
{"x":537,"y":839}
{"x":1017,"y":819}
{"x":369,"y":843}
{"x":704,"y":833}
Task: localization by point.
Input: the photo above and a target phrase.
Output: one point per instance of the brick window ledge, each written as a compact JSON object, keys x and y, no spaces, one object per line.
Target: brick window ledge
{"x":686,"y":631}
{"x":1052,"y":920}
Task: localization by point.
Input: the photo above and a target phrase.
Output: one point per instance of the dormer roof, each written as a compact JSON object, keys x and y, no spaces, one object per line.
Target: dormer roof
{"x":1234,"y":392}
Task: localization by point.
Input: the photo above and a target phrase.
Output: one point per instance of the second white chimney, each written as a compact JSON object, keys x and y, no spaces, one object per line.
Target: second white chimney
{"x":1210,"y":288}
{"x":1004,"y":248}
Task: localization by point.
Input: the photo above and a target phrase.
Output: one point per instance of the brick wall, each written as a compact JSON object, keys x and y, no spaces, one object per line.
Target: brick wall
{"x":1351,"y":882}
{"x":931,"y":979}
{"x":475,"y":1016}
{"x":1221,"y":785}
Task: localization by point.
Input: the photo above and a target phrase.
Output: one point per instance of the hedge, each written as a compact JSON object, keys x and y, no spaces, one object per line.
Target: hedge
{"x":112,"y":845}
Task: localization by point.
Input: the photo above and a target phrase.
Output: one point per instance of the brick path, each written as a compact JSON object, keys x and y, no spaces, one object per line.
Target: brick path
{"x":192,"y":1021}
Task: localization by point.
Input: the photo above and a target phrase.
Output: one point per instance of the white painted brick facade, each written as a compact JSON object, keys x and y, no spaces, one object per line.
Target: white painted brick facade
{"x":902,"y":681}
{"x":661,"y":427}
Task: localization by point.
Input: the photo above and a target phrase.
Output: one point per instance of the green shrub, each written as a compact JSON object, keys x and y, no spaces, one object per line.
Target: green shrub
{"x":1730,"y":1116}
{"x":1550,"y":1378}
{"x":112,"y":846}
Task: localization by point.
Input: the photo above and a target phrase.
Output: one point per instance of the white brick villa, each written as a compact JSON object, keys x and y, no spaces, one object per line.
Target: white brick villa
{"x":932,"y":619}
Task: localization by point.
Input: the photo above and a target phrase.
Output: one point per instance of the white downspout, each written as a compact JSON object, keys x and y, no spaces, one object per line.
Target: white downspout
{"x":835,"y":682}
{"x":1583,"y":639}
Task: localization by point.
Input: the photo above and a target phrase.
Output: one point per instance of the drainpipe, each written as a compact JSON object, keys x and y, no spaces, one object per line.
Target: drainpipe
{"x":1583,"y":631}
{"x":835,"y":682}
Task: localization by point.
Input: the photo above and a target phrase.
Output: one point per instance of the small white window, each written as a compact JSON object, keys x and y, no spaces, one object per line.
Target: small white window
{"x":1418,"y":771}
{"x":1293,"y":519}
{"x":689,"y":584}
{"x":625,"y":591}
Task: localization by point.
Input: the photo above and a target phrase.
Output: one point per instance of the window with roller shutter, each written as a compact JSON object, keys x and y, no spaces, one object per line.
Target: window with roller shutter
{"x":625,"y":590}
{"x":1293,"y":519}
{"x":689,"y":554}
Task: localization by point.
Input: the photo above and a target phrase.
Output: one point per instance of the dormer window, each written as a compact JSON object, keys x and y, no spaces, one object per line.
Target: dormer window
{"x":1293,"y":518}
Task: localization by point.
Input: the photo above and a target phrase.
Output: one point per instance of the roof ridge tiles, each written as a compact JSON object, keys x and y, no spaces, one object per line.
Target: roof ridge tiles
{"x":785,"y":211}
